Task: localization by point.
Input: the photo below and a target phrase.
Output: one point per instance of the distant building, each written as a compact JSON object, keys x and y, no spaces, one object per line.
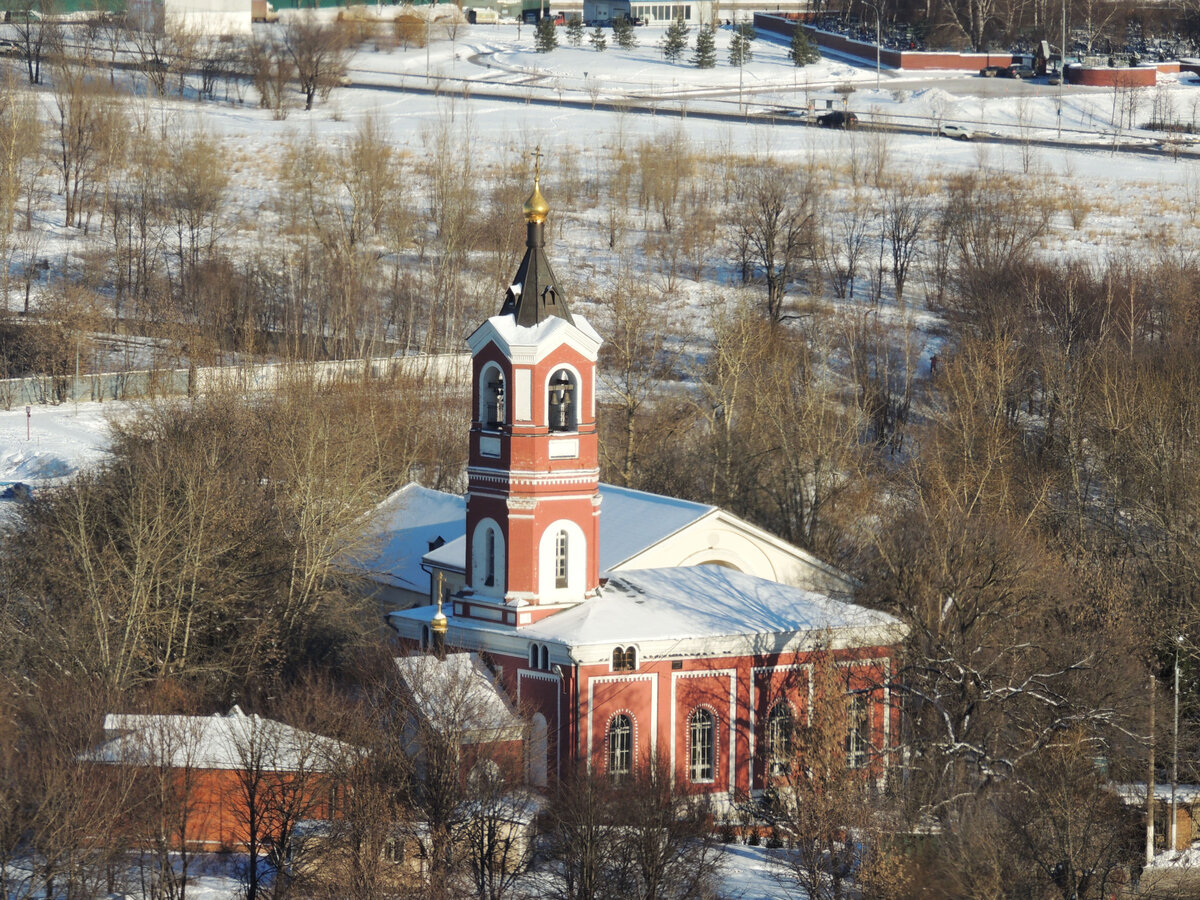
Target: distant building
{"x":694,"y":665}
{"x":206,"y":17}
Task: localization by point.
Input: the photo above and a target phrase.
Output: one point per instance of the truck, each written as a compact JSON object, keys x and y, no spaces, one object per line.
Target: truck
{"x":262,"y":11}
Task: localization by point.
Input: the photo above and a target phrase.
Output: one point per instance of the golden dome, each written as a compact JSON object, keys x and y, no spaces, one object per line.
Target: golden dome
{"x":536,"y":208}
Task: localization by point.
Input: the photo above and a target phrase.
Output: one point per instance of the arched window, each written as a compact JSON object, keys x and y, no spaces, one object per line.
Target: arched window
{"x":489,"y":550}
{"x":425,"y":642}
{"x":620,"y":745}
{"x":545,"y":658}
{"x":779,"y":739}
{"x":560,"y":560}
{"x":493,"y":397}
{"x":624,"y":660}
{"x":562,"y":401}
{"x":858,"y":732}
{"x":701,"y":745}
{"x":533,"y":656}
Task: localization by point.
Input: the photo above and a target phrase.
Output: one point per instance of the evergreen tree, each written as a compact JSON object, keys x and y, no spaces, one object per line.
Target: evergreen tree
{"x":546,"y":38}
{"x":598,"y":40}
{"x":675,"y":41}
{"x":575,"y":31}
{"x":802,"y":51}
{"x":739,"y":48}
{"x":623,"y":33}
{"x":705,"y":56}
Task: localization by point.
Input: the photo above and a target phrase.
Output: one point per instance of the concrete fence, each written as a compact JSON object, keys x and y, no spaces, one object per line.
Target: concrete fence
{"x":446,"y":368}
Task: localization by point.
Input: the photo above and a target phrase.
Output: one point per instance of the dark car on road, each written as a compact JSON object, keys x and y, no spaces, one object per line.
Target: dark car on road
{"x":1019,"y":72}
{"x":837,"y":119}
{"x":990,"y":71}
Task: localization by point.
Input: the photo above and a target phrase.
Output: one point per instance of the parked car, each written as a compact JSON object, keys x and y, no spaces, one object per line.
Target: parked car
{"x":1054,"y":77}
{"x":837,"y":119}
{"x":15,"y":490}
{"x":958,"y":132}
{"x":1019,"y":72}
{"x":990,"y":71}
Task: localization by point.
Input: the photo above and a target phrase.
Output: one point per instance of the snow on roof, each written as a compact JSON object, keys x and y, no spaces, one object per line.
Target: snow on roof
{"x":219,"y":741}
{"x":1134,"y":794}
{"x":630,"y":522}
{"x":458,"y":695}
{"x":704,"y":602}
{"x":543,"y":332}
{"x":406,"y":523}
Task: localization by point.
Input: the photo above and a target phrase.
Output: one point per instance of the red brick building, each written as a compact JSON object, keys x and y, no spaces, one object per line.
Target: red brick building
{"x":202,"y":762}
{"x":690,"y":664}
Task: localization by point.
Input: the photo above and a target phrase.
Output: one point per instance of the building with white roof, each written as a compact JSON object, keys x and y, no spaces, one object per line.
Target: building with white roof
{"x":207,"y":762}
{"x":628,"y":626}
{"x":420,"y":533}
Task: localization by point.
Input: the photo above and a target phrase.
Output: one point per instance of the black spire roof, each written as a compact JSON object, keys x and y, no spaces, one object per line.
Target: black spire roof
{"x":535,"y":295}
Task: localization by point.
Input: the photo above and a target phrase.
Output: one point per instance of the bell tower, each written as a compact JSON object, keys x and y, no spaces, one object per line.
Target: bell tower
{"x":533,"y":501}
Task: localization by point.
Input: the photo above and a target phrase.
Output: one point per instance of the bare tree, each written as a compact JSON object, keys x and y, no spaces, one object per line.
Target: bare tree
{"x":777,"y":221}
{"x":38,"y":33}
{"x":846,"y":239}
{"x":822,"y":759}
{"x":582,"y":834}
{"x":904,"y":216}
{"x":318,"y":51}
{"x":88,"y":122}
{"x":636,"y":358}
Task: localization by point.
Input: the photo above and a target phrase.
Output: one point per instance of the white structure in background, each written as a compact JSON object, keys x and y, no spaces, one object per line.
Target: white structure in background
{"x":206,"y":17}
{"x":420,"y":533}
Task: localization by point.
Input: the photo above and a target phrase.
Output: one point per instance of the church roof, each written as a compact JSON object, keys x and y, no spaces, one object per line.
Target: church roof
{"x":535,"y":295}
{"x":703,"y":602}
{"x":688,"y":611}
{"x":406,"y":525}
{"x":630,"y":521}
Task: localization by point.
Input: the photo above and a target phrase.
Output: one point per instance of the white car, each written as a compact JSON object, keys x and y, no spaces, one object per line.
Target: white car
{"x":959,"y":132}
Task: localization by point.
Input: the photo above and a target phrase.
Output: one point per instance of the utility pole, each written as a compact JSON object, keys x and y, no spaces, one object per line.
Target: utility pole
{"x":1175,"y":754}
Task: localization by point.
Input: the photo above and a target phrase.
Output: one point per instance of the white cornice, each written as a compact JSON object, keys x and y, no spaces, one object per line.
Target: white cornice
{"x":529,"y":346}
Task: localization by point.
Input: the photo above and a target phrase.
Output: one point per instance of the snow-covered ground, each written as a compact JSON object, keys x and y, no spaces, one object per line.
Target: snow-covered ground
{"x":60,"y":440}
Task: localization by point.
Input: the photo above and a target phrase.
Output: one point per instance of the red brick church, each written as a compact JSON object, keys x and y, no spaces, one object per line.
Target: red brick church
{"x":694,"y":665}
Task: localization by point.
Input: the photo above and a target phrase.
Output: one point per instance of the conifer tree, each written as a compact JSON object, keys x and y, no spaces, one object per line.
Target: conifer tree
{"x":547,"y":35}
{"x":575,"y":31}
{"x":675,"y":40}
{"x":623,"y":33}
{"x":802,"y":51}
{"x":705,"y":56}
{"x":739,"y":48}
{"x":598,"y":40}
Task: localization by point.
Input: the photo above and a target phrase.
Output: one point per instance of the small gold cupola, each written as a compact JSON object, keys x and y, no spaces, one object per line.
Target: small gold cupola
{"x":535,"y":295}
{"x":536,"y":208}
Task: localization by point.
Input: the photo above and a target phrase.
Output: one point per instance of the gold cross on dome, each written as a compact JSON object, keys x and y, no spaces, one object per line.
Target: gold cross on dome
{"x":537,"y":162}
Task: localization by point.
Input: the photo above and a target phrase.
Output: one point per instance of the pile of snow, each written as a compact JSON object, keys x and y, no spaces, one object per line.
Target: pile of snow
{"x":1183,"y":859}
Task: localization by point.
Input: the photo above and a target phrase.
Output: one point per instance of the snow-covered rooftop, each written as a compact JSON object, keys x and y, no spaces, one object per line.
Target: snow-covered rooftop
{"x":702,"y":602}
{"x":690,"y":610}
{"x":458,"y":695}
{"x":630,"y":522}
{"x":219,"y":741}
{"x":406,"y":523}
